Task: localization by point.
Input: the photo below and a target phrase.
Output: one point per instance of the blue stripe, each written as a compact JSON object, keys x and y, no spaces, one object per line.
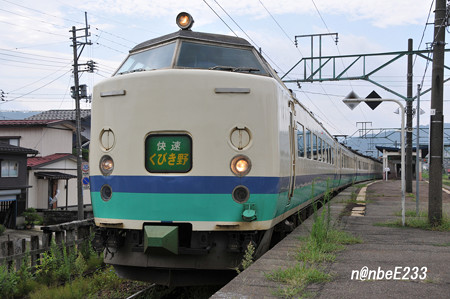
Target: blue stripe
{"x":203,"y":184}
{"x":189,"y":184}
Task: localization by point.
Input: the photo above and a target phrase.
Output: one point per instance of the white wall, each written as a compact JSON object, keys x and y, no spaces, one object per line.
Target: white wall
{"x":47,"y":141}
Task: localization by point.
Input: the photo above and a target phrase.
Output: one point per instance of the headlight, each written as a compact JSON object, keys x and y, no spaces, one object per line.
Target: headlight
{"x":106,"y":165}
{"x":240,"y":165}
{"x":185,"y":21}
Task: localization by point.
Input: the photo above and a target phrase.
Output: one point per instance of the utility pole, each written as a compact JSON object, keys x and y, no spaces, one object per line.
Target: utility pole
{"x":437,"y":116}
{"x":409,"y":100}
{"x":77,"y":96}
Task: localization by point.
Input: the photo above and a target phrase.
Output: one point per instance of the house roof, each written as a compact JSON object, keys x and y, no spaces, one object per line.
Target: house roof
{"x":42,"y":161}
{"x":54,"y":175}
{"x":34,"y":123}
{"x":60,"y":114}
{"x":12,"y":149}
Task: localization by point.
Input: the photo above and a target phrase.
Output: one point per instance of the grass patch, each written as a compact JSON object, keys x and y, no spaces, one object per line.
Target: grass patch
{"x":360,"y":185}
{"x":411,"y":213}
{"x":420,"y":222}
{"x":442,"y":245}
{"x":297,"y":278}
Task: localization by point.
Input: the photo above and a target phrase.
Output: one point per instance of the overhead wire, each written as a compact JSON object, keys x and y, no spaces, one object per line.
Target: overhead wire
{"x":342,"y":61}
{"x":13,"y":99}
{"x":243,"y":31}
{"x":223,"y":21}
{"x":284,"y":31}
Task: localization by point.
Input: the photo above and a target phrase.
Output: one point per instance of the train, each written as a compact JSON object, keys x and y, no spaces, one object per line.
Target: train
{"x":198,"y":150}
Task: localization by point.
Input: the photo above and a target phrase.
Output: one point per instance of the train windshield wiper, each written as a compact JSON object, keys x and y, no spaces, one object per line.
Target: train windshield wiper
{"x":246,"y":69}
{"x":134,"y":71}
{"x":234,"y":69}
{"x":223,"y":68}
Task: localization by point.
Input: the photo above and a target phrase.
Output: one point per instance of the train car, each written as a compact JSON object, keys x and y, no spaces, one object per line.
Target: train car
{"x":198,"y":150}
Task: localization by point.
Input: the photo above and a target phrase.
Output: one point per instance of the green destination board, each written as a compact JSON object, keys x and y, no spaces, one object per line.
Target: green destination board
{"x":168,"y":153}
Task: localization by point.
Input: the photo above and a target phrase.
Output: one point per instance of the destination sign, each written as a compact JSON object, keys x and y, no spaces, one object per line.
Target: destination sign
{"x":168,"y":153}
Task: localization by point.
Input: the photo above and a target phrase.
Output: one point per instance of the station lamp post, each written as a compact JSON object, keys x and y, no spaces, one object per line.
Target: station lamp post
{"x":373,"y":100}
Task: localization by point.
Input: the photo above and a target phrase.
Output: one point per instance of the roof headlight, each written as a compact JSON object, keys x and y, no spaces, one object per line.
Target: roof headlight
{"x":240,"y":165}
{"x":185,"y":21}
{"x":106,"y":165}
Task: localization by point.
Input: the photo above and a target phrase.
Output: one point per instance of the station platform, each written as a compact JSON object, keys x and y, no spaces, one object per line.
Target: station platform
{"x":383,"y":249}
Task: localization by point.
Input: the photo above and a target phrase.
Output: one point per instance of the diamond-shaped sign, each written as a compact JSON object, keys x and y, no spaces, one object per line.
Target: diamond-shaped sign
{"x":372,"y":103}
{"x":352,"y":100}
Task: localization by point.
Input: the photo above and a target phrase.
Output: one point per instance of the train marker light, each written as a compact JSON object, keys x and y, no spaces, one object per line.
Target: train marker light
{"x":185,"y":21}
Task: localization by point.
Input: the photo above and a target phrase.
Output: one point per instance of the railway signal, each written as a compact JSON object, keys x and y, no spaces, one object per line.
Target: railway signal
{"x":352,"y":100}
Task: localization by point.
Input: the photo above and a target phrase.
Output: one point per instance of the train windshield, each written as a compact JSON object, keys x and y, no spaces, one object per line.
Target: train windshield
{"x":156,"y":58}
{"x":204,"y":56}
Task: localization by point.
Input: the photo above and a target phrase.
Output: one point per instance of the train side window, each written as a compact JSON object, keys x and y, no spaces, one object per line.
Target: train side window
{"x":328,"y":154}
{"x":320,"y":149}
{"x":314,"y":146}
{"x":308,"y":144}
{"x":300,"y":140}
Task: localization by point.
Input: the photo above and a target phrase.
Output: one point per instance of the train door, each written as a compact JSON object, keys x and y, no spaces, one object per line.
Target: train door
{"x":292,"y":151}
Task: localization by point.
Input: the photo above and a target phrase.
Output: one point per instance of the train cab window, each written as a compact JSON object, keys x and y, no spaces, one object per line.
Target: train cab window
{"x":308,"y":144}
{"x":151,"y":59}
{"x":204,"y":56}
{"x":300,"y":140}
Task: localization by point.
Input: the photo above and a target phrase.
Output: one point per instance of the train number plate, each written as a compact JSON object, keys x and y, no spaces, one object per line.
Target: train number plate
{"x":168,"y":153}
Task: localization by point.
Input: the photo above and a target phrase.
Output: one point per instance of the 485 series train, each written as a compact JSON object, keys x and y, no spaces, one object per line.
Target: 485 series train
{"x":199,"y":149}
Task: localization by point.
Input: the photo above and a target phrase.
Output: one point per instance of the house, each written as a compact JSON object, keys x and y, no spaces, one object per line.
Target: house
{"x":69,"y":115}
{"x":54,"y":182}
{"x":52,"y":172}
{"x":45,"y":136}
{"x":13,"y":182}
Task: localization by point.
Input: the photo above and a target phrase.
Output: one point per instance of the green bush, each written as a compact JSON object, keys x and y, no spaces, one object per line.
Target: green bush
{"x":2,"y":229}
{"x":32,"y":217}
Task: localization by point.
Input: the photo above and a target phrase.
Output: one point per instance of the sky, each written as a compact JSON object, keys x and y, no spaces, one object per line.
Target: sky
{"x":36,"y":56}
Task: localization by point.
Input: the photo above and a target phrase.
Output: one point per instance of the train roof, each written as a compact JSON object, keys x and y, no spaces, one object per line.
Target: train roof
{"x":199,"y":36}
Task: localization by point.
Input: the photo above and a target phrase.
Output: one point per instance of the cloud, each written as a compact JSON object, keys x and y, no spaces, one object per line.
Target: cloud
{"x":380,"y":13}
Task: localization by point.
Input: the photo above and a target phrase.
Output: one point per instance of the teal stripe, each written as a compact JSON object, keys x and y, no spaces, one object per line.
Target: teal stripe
{"x":181,"y":207}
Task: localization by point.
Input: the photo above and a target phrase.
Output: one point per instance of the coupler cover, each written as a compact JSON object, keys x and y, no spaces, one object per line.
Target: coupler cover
{"x":160,"y":239}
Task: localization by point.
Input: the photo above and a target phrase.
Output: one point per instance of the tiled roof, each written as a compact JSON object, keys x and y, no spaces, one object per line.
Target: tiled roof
{"x":41,"y":161}
{"x":27,"y":123}
{"x":7,"y":148}
{"x":60,"y":114}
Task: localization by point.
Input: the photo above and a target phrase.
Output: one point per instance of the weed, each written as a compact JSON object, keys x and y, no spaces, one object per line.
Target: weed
{"x":297,"y":278}
{"x":248,"y":258}
{"x":8,"y":282}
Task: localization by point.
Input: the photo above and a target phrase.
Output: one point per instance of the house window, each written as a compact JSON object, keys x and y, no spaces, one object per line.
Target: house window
{"x":10,"y":169}
{"x":10,"y":140}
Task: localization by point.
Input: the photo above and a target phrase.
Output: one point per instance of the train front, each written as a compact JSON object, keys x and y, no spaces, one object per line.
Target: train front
{"x":184,"y":137}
